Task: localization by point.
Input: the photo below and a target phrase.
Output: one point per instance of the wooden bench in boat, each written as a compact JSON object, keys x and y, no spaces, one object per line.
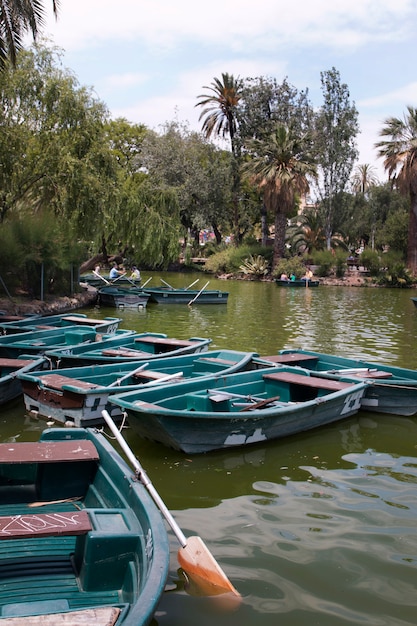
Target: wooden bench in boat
{"x":85,"y":321}
{"x":165,"y":341}
{"x":15,"y":363}
{"x":151,"y":375}
{"x":307,"y":381}
{"x":214,"y":359}
{"x":56,"y":381}
{"x":44,"y":524}
{"x":48,"y":452}
{"x":289,"y":358}
{"x":125,"y":352}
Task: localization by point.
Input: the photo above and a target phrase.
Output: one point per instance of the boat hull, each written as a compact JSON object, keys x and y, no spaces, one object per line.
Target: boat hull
{"x":77,"y":396}
{"x":202,"y":416}
{"x":297,"y":283}
{"x":391,"y":389}
{"x":108,"y":325}
{"x":10,"y":369}
{"x":118,"y":561}
{"x":135,"y":347}
{"x":121,"y":297}
{"x":187,"y":296}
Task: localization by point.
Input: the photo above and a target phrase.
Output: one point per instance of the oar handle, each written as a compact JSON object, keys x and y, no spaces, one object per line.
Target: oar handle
{"x":119,"y":380}
{"x":145,"y":480}
{"x":100,"y":276}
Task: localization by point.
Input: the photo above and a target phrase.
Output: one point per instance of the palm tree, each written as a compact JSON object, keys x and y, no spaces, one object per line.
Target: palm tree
{"x":400,"y":161}
{"x":219,"y":115}
{"x":306,"y":232}
{"x":17,"y":17}
{"x":280,"y":167}
{"x":364,"y":177}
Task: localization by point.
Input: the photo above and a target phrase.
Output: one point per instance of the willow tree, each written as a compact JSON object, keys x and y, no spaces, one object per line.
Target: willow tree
{"x":280,"y":166}
{"x":399,"y":152}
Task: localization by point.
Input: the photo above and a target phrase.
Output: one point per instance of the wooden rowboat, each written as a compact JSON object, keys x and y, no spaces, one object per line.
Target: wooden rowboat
{"x":10,"y":384}
{"x":391,"y":389}
{"x":82,"y":542}
{"x":38,"y":342}
{"x":78,"y":395}
{"x":106,"y":325}
{"x":132,"y":347}
{"x":297,"y":283}
{"x":123,"y":297}
{"x":238,"y":409}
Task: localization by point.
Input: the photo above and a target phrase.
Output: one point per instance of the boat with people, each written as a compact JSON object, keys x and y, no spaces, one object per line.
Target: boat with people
{"x":94,"y":279}
{"x":131,"y":347}
{"x":38,"y":342}
{"x":390,"y":389}
{"x":10,"y":369}
{"x":76,"y":396}
{"x":123,"y":297}
{"x":82,"y":540}
{"x":238,"y":409}
{"x":106,"y":325}
{"x":297,"y":283}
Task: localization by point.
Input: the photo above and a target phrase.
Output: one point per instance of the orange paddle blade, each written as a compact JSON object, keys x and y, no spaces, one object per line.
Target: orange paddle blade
{"x":200,"y":565}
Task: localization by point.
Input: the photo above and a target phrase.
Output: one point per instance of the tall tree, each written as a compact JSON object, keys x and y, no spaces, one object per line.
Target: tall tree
{"x":17,"y":17}
{"x":280,"y":166}
{"x":364,"y":177}
{"x":336,"y":127}
{"x":219,"y":116}
{"x":399,"y":152}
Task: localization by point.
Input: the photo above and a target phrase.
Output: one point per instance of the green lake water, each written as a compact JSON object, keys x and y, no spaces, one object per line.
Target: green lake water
{"x":316,"y":529}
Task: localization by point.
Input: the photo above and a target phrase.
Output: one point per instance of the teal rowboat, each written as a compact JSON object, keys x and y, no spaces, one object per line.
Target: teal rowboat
{"x":82,"y":541}
{"x":132,"y":347}
{"x":238,"y":409}
{"x":123,"y":297}
{"x":391,"y":389}
{"x":10,"y":385}
{"x":76,"y":396}
{"x":106,"y":325}
{"x":38,"y":342}
{"x":297,"y":283}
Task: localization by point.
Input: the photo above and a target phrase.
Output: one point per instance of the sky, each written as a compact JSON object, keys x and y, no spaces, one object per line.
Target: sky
{"x":149,"y":60}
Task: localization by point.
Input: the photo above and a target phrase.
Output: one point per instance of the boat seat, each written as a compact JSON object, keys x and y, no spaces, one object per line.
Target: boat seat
{"x":87,"y":321}
{"x":214,"y":359}
{"x":56,"y":381}
{"x":307,"y":381}
{"x":165,"y":341}
{"x":44,"y":524}
{"x":150,"y":375}
{"x":48,"y":452}
{"x":17,"y":363}
{"x":292,"y":358}
{"x":46,"y":470}
{"x":124,"y":352}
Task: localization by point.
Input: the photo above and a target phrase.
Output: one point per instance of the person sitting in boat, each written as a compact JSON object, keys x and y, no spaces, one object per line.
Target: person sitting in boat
{"x":284,"y":276}
{"x":135,"y":275}
{"x":115,"y":272}
{"x":308,"y":275}
{"x":293,"y":277}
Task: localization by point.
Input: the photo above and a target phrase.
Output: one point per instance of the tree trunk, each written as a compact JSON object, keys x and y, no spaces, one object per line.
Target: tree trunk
{"x":412,"y":236}
{"x":279,"y":241}
{"x":264,"y":225}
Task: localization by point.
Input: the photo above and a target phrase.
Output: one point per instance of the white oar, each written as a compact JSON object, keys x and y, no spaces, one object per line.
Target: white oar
{"x":119,"y":380}
{"x":163,"y":379}
{"x":193,"y":556}
{"x":189,"y":286}
{"x":353,"y":370}
{"x":102,"y":277}
{"x":167,"y":284}
{"x":149,"y":279}
{"x":199,"y":293}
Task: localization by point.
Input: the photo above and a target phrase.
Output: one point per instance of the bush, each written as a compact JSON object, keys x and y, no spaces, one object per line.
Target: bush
{"x":290,"y":266}
{"x":325,"y":260}
{"x":371,"y":260}
{"x":231,"y":258}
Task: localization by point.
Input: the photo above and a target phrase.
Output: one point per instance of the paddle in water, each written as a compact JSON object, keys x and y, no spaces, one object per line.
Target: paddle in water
{"x":194,"y":557}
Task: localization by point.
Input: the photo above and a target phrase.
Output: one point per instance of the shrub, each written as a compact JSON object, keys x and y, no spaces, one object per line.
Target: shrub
{"x":325,"y":260}
{"x":294,"y":265}
{"x":371,"y":260}
{"x":255,"y":265}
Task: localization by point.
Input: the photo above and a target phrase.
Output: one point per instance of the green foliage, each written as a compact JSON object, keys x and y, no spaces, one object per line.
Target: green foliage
{"x":371,"y":260}
{"x":340,"y":263}
{"x":255,"y":266}
{"x":396,"y":276}
{"x":325,"y":260}
{"x":231,"y":258}
{"x":294,"y":265}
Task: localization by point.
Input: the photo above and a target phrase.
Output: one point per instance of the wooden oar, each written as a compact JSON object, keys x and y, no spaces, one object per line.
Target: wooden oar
{"x":149,"y":279}
{"x":199,"y":293}
{"x":189,"y":286}
{"x":163,"y":379}
{"x":167,"y":284}
{"x":102,"y":277}
{"x":193,"y":556}
{"x":119,"y":380}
